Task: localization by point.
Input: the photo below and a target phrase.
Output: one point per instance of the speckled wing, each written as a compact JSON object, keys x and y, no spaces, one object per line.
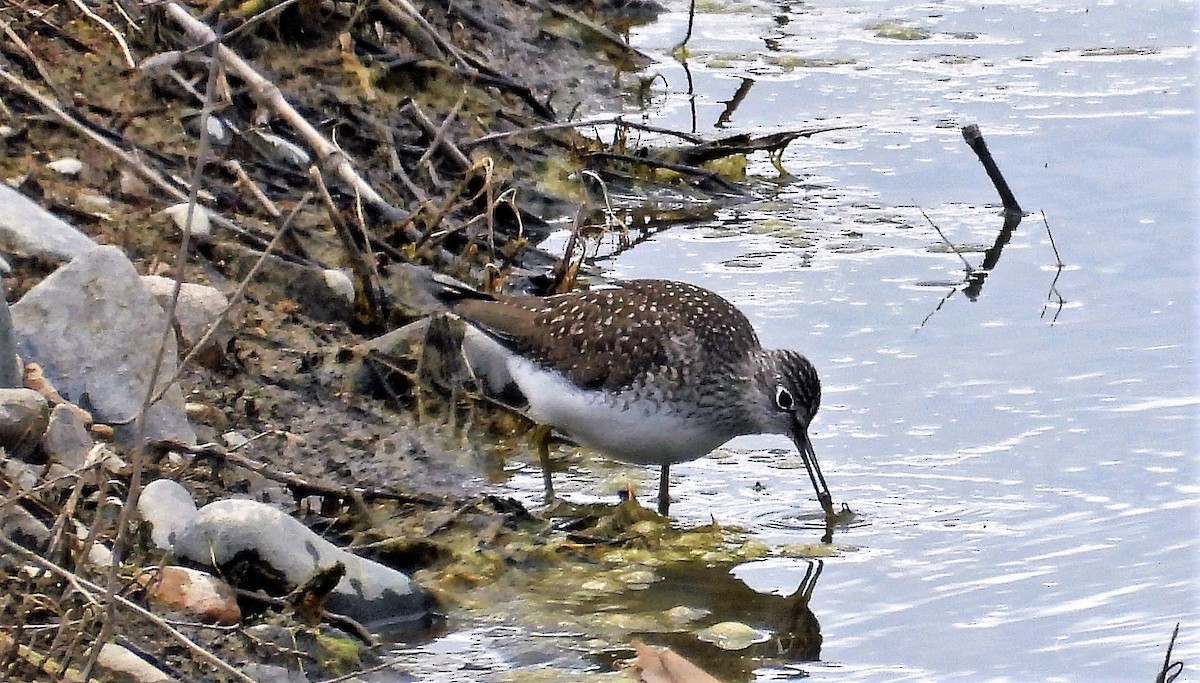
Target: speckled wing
{"x":613,"y":338}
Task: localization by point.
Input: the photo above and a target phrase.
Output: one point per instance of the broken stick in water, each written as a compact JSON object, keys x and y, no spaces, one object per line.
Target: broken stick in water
{"x":974,"y":138}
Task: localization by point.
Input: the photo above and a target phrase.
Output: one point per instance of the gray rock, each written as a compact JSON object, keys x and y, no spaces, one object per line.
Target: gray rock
{"x":24,"y":414}
{"x":67,"y":439}
{"x":167,"y":507}
{"x":27,"y":229}
{"x":229,"y":529}
{"x":10,"y":370}
{"x":199,"y":306}
{"x":94,"y":329}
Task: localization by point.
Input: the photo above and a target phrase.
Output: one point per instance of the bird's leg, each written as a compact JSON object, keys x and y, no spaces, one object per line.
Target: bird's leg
{"x":664,"y":498}
{"x":541,"y":438}
{"x":830,"y":523}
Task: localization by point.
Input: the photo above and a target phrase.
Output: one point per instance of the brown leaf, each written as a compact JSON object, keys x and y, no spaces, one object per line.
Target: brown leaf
{"x":661,"y":665}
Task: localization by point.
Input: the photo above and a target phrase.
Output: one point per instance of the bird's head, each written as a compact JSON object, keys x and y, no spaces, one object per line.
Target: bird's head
{"x":793,"y":391}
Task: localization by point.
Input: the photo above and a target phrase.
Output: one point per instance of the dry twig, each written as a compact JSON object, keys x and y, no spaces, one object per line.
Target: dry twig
{"x":90,"y":589}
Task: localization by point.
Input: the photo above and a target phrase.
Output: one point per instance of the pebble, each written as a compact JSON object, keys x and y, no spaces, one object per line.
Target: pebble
{"x":339,"y":283}
{"x":192,"y":591}
{"x":201,"y":223}
{"x":67,"y":166}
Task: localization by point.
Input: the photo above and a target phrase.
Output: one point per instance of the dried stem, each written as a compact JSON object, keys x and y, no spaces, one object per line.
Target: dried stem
{"x":87,"y":588}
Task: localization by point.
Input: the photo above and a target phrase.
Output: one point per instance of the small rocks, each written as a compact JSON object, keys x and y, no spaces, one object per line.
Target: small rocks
{"x":93,"y":327}
{"x":22,"y":475}
{"x":235,"y":531}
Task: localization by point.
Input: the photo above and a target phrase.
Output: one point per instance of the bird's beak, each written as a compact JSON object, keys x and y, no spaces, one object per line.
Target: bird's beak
{"x":804,"y":445}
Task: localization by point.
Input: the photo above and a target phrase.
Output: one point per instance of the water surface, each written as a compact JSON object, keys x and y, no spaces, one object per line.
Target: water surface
{"x":1023,"y":458}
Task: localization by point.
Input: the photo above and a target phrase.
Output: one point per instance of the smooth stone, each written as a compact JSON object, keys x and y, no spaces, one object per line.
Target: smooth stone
{"x":192,"y":591}
{"x":124,"y":665}
{"x":66,"y":439}
{"x":167,"y":507}
{"x":100,"y":556}
{"x":229,"y":529}
{"x":28,"y":230}
{"x":199,"y":306}
{"x":94,"y":329}
{"x":24,"y":414}
{"x":68,"y":166}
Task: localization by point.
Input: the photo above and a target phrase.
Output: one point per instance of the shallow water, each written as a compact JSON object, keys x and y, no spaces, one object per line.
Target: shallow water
{"x":1023,"y":460}
{"x":1024,"y":468}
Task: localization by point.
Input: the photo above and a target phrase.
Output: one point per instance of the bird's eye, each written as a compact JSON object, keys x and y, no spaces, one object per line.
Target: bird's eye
{"x":783,"y":399}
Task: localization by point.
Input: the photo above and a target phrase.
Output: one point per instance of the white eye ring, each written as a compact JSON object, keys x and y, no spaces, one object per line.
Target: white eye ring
{"x":783,"y":399}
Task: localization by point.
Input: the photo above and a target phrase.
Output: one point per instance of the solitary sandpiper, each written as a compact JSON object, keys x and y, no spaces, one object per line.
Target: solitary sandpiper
{"x":646,"y":371}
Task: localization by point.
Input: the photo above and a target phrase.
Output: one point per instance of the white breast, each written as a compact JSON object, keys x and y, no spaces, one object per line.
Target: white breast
{"x":642,"y":431}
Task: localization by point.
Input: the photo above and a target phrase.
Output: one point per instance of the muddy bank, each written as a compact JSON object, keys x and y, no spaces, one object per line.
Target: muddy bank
{"x":300,"y":153}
